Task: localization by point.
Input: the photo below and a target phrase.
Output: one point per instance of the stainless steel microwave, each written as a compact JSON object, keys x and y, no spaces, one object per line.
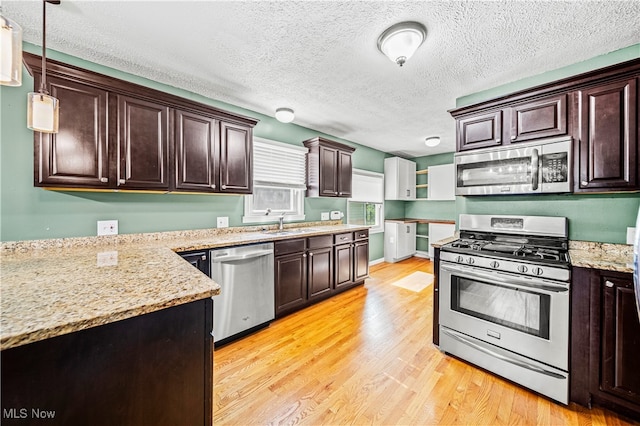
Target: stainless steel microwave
{"x":523,"y":168}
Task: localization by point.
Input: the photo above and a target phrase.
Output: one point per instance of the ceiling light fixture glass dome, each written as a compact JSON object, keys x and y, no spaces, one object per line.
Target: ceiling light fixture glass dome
{"x":285,"y":115}
{"x":400,"y":41}
{"x":432,"y":141}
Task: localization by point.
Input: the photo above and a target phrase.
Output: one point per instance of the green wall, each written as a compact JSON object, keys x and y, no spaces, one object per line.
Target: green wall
{"x":29,"y":213}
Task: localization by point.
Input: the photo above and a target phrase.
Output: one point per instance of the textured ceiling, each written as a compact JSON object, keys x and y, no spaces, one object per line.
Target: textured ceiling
{"x":320,"y":57}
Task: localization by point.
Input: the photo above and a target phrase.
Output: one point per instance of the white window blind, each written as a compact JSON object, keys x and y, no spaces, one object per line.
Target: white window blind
{"x":367,"y":186}
{"x":277,"y":164}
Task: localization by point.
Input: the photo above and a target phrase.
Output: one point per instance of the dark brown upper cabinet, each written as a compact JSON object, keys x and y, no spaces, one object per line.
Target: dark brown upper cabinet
{"x":607,"y":137}
{"x":597,"y":109}
{"x":236,"y":147}
{"x":195,"y":144}
{"x":539,"y":119}
{"x":329,"y":168}
{"x":142,"y":144}
{"x":78,"y":154}
{"x":479,"y":131}
{"x":118,"y":135}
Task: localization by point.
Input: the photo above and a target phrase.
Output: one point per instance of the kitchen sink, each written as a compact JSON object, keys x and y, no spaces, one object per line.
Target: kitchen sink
{"x":292,"y":231}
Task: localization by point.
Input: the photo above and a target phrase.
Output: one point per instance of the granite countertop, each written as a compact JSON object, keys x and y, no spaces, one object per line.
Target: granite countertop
{"x":54,"y":287}
{"x":609,"y":257}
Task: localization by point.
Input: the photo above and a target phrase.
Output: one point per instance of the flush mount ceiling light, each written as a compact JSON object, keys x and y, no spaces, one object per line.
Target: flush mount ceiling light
{"x":432,"y":141}
{"x":284,"y":115}
{"x":42,"y":108}
{"x":400,"y":41}
{"x":10,"y":52}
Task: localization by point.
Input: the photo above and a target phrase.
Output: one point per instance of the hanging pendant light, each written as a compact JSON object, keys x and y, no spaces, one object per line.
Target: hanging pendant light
{"x":400,"y":41}
{"x":42,"y":108}
{"x":10,"y":52}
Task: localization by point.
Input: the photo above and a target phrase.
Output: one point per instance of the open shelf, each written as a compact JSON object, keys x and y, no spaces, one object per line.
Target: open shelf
{"x":422,"y":172}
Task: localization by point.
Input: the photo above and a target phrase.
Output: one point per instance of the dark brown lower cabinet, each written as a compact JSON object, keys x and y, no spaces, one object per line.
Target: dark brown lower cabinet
{"x":154,"y":369}
{"x":436,"y":296}
{"x":311,"y":269}
{"x":605,"y":341}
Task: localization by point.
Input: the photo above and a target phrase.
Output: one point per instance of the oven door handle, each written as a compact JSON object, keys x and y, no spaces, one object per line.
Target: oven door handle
{"x":507,"y":282}
{"x":535,"y":169}
{"x":496,"y":354}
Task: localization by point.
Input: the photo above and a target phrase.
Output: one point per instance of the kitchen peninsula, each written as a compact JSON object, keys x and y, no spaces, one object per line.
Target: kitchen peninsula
{"x":114,"y":330}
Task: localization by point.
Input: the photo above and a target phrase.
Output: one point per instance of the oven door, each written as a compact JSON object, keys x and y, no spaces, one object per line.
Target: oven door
{"x":525,"y":315}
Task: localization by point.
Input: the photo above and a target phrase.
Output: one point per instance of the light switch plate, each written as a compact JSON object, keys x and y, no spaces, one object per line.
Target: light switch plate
{"x":107,"y":227}
{"x":223,"y":222}
{"x":324,"y":216}
{"x":631,"y":235}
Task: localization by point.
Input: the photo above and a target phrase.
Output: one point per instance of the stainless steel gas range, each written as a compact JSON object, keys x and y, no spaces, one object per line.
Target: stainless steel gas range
{"x":504,"y":299}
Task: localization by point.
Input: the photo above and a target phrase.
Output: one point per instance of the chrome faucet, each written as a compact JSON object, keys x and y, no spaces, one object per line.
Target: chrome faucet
{"x":281,"y":219}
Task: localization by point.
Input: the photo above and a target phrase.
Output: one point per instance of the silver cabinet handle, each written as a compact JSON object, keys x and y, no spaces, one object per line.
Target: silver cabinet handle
{"x":304,"y":255}
{"x":498,"y":140}
{"x":224,"y":186}
{"x":122,"y":181}
{"x":310,"y":254}
{"x":213,"y":185}
{"x":203,"y":257}
{"x":584,"y":183}
{"x":609,"y":284}
{"x":104,"y":179}
{"x":513,"y":137}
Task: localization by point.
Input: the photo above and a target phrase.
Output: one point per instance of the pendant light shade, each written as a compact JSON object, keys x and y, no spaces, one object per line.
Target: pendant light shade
{"x":42,"y":112}
{"x":10,"y":52}
{"x":400,"y":41}
{"x":42,"y":108}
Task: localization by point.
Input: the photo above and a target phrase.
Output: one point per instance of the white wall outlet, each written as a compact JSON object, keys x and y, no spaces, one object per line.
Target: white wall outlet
{"x":107,"y":227}
{"x":223,"y":222}
{"x":324,"y":216}
{"x":631,"y":235}
{"x":336,"y":214}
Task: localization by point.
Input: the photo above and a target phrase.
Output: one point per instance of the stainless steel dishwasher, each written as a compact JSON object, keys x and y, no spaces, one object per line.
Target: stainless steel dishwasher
{"x":246,"y":299}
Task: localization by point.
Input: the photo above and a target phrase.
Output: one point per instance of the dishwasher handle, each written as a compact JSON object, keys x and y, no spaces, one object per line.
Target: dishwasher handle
{"x":249,"y":255}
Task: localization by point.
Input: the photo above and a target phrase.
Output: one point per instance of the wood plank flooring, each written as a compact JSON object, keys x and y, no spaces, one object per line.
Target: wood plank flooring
{"x":366,"y":357}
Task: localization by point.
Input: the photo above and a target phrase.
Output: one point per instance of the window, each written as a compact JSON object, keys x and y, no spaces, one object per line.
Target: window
{"x":366,"y":206}
{"x":279,"y":182}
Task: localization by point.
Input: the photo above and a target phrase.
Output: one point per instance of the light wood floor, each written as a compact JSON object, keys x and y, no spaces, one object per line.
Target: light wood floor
{"x":366,"y":357}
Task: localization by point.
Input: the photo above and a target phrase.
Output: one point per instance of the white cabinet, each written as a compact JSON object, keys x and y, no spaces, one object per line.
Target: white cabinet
{"x":399,"y":179}
{"x":442,"y":182}
{"x":399,"y":241}
{"x":437,"y":232}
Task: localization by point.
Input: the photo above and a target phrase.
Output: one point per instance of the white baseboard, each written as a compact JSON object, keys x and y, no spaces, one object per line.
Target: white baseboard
{"x":424,"y":254}
{"x":376,"y":261}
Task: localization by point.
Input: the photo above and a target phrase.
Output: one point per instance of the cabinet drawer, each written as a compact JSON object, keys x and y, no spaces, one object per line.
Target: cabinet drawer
{"x":289,"y":246}
{"x":361,"y":235}
{"x":320,"y":241}
{"x":346,"y":237}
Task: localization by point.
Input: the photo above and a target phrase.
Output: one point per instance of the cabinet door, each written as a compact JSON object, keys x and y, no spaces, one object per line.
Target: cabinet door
{"x":78,"y":154}
{"x":437,"y":232}
{"x":442,"y":182}
{"x":195,"y":139}
{"x":620,"y":357}
{"x":320,"y":272}
{"x":406,"y":240}
{"x":539,"y":119}
{"x":608,"y":140}
{"x":143,"y":144}
{"x":290,"y":281}
{"x":236,"y":142}
{"x":344,"y":265}
{"x":360,"y":260}
{"x":479,"y":131}
{"x":328,"y":171}
{"x":344,"y":174}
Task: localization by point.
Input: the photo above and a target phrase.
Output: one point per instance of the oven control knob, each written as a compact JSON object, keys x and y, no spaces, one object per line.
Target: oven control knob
{"x":537,"y":271}
{"x":522,"y":268}
{"x":470,"y":261}
{"x":459,"y":259}
{"x":494,"y":264}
